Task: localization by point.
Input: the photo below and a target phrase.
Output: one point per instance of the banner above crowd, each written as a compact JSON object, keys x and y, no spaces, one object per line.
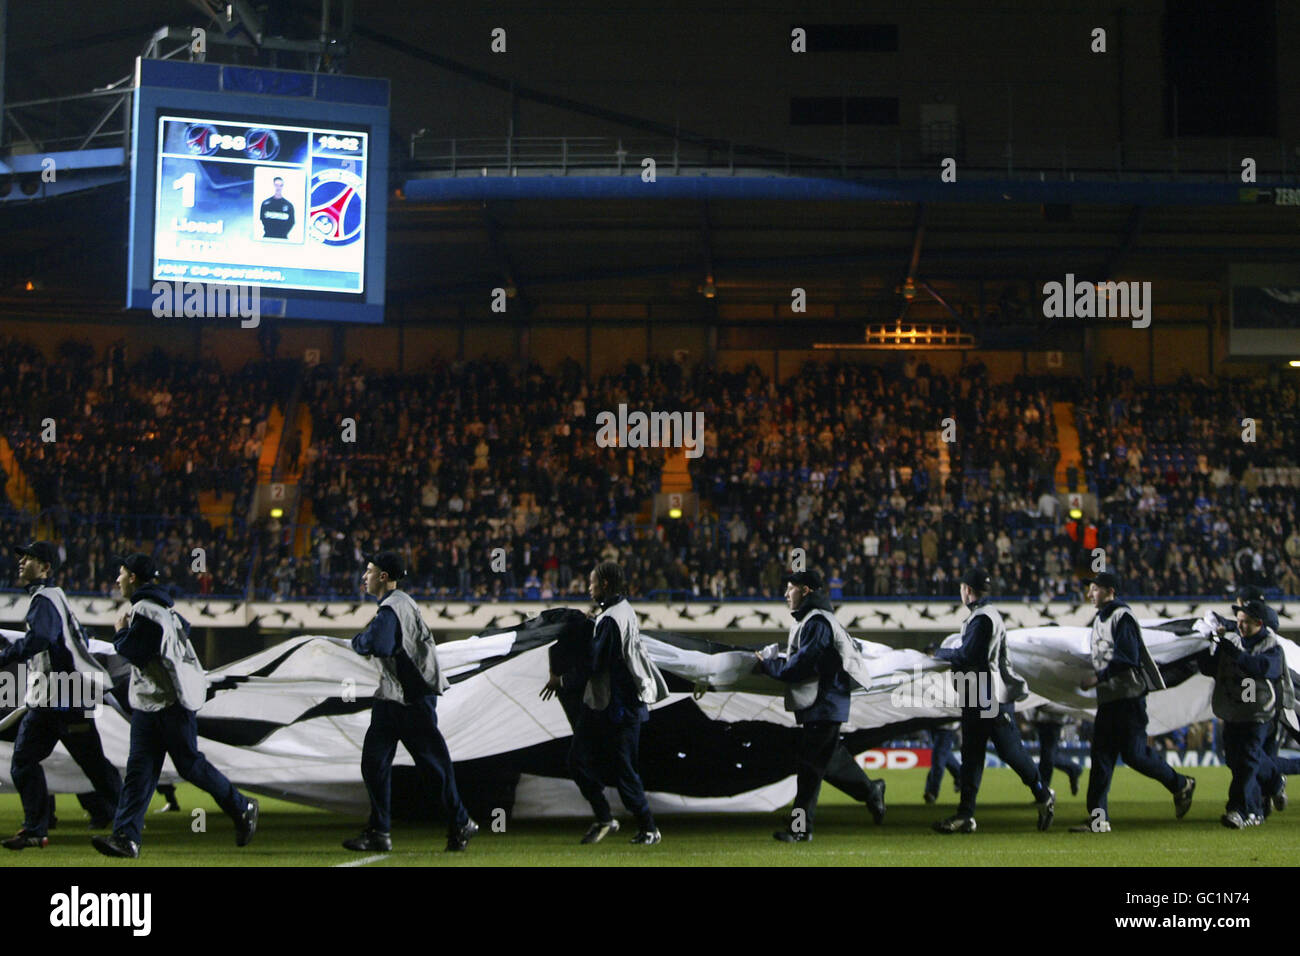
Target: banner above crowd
{"x":870,"y":618}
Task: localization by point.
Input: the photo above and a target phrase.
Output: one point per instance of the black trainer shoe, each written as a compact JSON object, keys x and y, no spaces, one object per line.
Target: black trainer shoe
{"x":931,"y":797}
{"x":458,"y":837}
{"x":647,"y":837}
{"x":1279,"y":798}
{"x":876,"y":802}
{"x":1047,"y":810}
{"x":955,"y":824}
{"x":785,"y":836}
{"x":24,"y":839}
{"x":116,"y":845}
{"x":598,"y":831}
{"x":1074,"y":783}
{"x":370,"y":841}
{"x":1183,"y":798}
{"x":1233,"y":820}
{"x":246,"y":825}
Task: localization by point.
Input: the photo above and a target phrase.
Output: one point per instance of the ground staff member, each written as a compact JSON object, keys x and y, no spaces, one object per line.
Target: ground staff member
{"x":1273,"y":778}
{"x":1125,"y":672}
{"x":943,"y":741}
{"x":1048,"y":722}
{"x":1251,"y":683}
{"x":168,"y":687}
{"x":989,"y":688}
{"x":405,"y":709}
{"x":821,"y":665}
{"x":56,"y":655}
{"x":621,"y":681}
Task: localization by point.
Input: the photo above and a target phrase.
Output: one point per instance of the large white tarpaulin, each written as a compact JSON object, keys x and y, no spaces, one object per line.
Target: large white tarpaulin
{"x":290,"y":720}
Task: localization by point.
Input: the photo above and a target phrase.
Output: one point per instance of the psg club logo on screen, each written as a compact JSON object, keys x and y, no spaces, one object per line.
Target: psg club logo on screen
{"x":262,"y":144}
{"x":336,"y":214}
{"x":201,"y":139}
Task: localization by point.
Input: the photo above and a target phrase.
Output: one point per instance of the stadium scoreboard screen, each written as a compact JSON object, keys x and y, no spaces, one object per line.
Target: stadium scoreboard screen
{"x":263,"y":178}
{"x":280,"y":206}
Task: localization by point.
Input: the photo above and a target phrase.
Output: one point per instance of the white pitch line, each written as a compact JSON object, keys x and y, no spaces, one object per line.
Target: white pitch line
{"x":364,"y":860}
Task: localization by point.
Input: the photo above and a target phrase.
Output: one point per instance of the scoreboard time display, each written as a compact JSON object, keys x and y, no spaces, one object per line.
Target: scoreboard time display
{"x":244,"y":176}
{"x":246,"y":202}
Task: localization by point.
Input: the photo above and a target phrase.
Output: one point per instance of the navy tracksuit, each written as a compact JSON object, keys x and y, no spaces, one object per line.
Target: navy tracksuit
{"x":41,"y":728}
{"x":1270,"y":777}
{"x":1245,"y":734}
{"x":158,"y":734}
{"x":607,"y":741}
{"x":1049,"y":738}
{"x":1274,"y":768}
{"x":819,"y":723}
{"x":1243,"y":751}
{"x":1120,"y":727}
{"x":977,"y":728}
{"x":943,"y":740}
{"x":414,"y":725}
{"x":844,"y":773}
{"x":1120,"y":730}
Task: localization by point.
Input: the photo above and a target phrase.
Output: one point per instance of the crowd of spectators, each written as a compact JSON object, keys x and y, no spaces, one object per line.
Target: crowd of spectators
{"x":1198,"y":480}
{"x":118,"y":452}
{"x":849,"y":463}
{"x":892,"y":479}
{"x":454,"y":463}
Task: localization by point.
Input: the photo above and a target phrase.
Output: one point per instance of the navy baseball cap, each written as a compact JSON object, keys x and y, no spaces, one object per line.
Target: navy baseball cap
{"x":1255,"y":608}
{"x":390,"y":562}
{"x":808,"y":579}
{"x":139,"y":564}
{"x":1251,"y":592}
{"x":977,"y":579}
{"x":41,"y":551}
{"x":1105,"y":579}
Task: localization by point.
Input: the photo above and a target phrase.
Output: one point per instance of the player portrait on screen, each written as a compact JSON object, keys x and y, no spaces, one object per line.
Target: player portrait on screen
{"x":277,"y":214}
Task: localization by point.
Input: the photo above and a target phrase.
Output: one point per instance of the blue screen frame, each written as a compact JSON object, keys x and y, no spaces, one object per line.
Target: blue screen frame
{"x":284,"y":96}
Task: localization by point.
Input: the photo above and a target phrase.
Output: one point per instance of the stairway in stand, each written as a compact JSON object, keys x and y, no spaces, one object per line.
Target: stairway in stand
{"x":676,"y":476}
{"x":1067,"y":442}
{"x":17,"y":488}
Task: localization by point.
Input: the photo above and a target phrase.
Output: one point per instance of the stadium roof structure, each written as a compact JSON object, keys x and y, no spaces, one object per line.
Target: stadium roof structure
{"x":564,"y":254}
{"x":724,"y":233}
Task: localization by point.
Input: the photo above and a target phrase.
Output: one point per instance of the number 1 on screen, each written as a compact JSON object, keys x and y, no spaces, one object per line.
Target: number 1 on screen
{"x":186,"y":185}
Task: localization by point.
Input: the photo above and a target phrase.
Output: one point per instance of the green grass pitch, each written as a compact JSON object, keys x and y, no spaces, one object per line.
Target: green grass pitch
{"x":1145,"y":834}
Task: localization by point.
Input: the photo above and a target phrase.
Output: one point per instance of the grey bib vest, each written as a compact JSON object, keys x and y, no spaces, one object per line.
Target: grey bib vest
{"x":417,"y":643}
{"x":803,"y":695}
{"x":650,"y":684}
{"x":39,"y":677}
{"x":175,"y":675}
{"x":1239,"y":698}
{"x":1131,"y":682}
{"x":1005,"y":685}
